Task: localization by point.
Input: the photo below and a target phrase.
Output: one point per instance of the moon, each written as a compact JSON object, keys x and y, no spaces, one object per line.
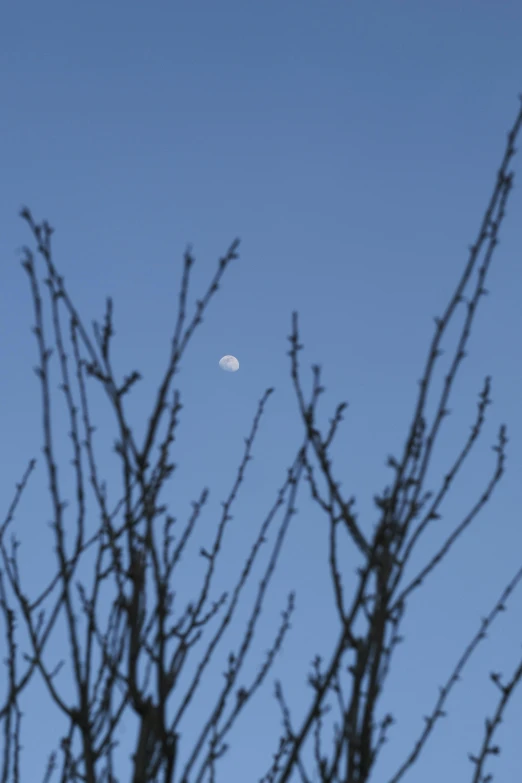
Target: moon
{"x":229,"y":363}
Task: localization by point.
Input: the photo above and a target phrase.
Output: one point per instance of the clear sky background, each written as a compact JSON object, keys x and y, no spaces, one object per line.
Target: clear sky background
{"x":352,"y":146}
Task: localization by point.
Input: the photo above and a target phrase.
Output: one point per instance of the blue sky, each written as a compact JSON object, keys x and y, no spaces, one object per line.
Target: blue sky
{"x":352,"y":147}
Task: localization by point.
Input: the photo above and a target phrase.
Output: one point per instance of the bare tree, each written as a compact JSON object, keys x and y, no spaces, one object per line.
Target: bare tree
{"x":131,"y":657}
{"x":129,"y":643}
{"x":406,"y":508}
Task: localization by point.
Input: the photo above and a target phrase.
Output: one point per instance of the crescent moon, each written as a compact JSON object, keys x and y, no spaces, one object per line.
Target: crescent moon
{"x":229,"y":363}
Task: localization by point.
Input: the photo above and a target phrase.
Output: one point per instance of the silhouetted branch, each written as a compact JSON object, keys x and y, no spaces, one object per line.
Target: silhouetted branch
{"x":137,"y":644}
{"x":491,"y":725}
{"x":407,"y":508}
{"x":438,"y":711}
{"x":127,"y":648}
